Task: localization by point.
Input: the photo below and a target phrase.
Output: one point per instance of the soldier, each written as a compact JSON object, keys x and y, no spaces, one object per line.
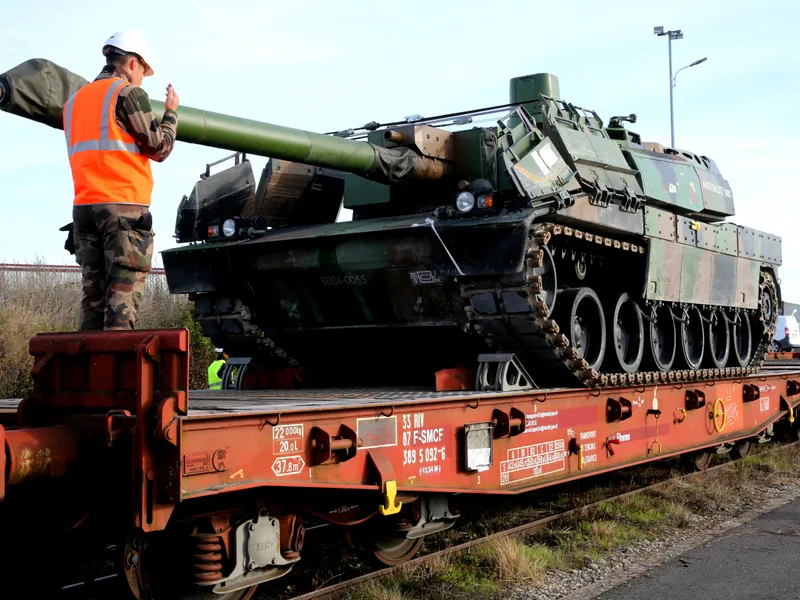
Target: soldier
{"x":112,"y":135}
{"x":215,"y":370}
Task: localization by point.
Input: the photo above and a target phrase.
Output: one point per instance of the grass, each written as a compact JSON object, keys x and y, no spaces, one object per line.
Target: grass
{"x":510,"y":559}
{"x":33,"y":302}
{"x":489,"y":570}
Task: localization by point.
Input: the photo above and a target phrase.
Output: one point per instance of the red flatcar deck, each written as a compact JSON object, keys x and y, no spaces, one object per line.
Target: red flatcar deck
{"x":362,"y":438}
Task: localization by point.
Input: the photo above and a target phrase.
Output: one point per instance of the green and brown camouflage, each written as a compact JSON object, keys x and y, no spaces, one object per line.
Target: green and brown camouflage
{"x":114,"y":247}
{"x":464,"y":239}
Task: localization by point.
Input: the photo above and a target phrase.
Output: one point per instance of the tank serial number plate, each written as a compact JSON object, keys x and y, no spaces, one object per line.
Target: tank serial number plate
{"x":343,"y":279}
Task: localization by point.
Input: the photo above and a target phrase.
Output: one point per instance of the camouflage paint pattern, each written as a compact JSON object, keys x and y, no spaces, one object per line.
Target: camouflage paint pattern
{"x":702,"y":266}
{"x":694,"y":262}
{"x":717,"y":195}
{"x":605,"y":218}
{"x":667,"y":181}
{"x":759,"y":245}
{"x":587,"y":148}
{"x":679,"y":273}
{"x":696,"y":275}
{"x":720,"y":238}
{"x":114,"y":247}
{"x":541,"y":171}
{"x":724,"y":269}
{"x":747,"y":275}
{"x":682,"y":180}
{"x":664,"y":271}
{"x":659,"y":223}
{"x":686,"y":232}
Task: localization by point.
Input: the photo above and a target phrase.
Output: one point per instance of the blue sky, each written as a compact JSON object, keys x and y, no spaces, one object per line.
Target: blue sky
{"x":331,"y":65}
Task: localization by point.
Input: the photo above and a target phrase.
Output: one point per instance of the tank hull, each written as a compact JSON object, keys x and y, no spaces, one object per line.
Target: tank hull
{"x":406,"y":296}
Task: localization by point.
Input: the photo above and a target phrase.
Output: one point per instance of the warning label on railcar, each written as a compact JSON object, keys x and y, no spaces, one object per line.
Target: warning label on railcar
{"x":532,"y":461}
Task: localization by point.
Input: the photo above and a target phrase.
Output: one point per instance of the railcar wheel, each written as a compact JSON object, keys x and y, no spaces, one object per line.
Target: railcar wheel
{"x":692,"y":339}
{"x":718,"y":349}
{"x":625,"y":330}
{"x":149,"y":567}
{"x":394,"y":550}
{"x":742,"y":338}
{"x":381,"y":547}
{"x":661,"y":340}
{"x":579,"y":314}
{"x":699,"y":460}
{"x":741,"y":448}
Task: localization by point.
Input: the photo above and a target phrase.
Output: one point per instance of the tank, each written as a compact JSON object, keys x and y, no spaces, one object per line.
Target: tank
{"x":551,"y":242}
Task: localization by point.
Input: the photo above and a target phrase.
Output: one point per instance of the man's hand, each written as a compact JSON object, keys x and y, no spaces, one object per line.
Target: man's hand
{"x":172,"y":98}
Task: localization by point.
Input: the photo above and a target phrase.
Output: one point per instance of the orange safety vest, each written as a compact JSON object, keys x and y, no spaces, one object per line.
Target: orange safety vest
{"x":107,"y":165}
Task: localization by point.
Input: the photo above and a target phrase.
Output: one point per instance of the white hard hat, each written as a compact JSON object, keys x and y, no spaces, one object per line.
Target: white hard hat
{"x":131,"y":41}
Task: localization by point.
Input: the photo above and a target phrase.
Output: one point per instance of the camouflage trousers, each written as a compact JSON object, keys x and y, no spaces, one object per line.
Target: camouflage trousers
{"x":114,"y":247}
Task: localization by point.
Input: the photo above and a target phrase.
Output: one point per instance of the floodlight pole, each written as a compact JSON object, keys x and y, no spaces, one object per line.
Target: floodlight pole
{"x":671,"y":110}
{"x":676,"y":34}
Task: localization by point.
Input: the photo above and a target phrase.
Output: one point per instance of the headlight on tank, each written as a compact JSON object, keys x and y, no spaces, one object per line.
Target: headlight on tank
{"x":229,"y":228}
{"x":465,"y":202}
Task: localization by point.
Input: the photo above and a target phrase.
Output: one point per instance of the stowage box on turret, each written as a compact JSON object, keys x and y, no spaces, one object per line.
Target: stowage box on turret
{"x":591,"y":256}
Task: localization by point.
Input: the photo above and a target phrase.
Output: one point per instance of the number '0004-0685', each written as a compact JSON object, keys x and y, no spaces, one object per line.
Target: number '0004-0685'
{"x":343,"y":279}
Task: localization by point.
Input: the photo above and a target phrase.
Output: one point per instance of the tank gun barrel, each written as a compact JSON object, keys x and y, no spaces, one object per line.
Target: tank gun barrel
{"x":217,"y":130}
{"x":38,"y":89}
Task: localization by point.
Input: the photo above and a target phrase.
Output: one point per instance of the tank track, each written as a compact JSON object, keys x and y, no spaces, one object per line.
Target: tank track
{"x":512,"y":315}
{"x":237,"y":318}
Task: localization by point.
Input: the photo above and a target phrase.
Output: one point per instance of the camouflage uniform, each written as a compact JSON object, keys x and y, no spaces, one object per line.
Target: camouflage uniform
{"x":114,"y":242}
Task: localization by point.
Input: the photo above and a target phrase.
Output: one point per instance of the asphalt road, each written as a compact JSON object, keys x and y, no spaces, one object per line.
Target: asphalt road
{"x":758,"y":560}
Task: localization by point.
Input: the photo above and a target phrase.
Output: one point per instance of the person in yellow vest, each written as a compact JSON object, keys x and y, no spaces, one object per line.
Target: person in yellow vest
{"x":215,"y":371}
{"x":112,"y":135}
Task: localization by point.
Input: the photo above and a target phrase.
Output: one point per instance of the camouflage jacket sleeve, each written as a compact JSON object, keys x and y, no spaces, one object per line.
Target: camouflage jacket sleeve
{"x":155,"y":139}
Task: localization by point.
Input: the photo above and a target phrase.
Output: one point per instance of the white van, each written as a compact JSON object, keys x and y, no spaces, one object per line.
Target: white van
{"x":787,"y":334}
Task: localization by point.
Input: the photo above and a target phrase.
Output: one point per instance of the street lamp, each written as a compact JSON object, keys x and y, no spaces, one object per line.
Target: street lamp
{"x":694,"y":64}
{"x":671,"y":35}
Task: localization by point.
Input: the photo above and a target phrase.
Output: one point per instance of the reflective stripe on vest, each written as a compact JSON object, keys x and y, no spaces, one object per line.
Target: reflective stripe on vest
{"x":107,"y":165}
{"x":214,"y":380}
